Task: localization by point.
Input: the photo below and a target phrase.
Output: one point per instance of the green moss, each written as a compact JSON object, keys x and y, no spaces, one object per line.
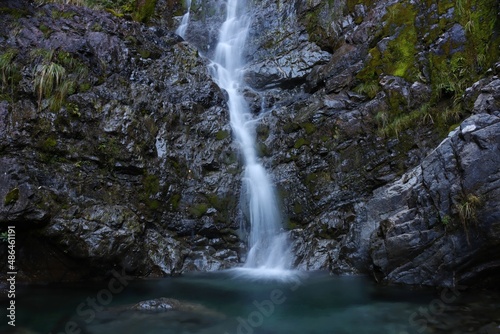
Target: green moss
{"x":291,"y":224}
{"x":297,"y":208}
{"x":11,"y":197}
{"x":291,"y":127}
{"x":262,"y":131}
{"x":58,"y":14}
{"x":175,"y":202}
{"x":445,"y":5}
{"x":398,"y":58}
{"x":48,"y":144}
{"x":198,"y":210}
{"x":115,"y":12}
{"x":221,"y":204}
{"x":451,"y":71}
{"x":153,"y":204}
{"x":151,"y":184}
{"x":15,"y":12}
{"x":309,"y":128}
{"x":222,"y":134}
{"x":310,"y":179}
{"x":45,"y":30}
{"x":96,"y":27}
{"x":109,"y":150}
{"x":145,"y":9}
{"x":84,"y":87}
{"x":300,"y":142}
{"x":314,"y":22}
{"x":370,"y":88}
{"x":145,"y":54}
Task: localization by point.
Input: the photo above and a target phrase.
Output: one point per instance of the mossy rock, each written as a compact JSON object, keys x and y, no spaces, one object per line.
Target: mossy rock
{"x":291,"y":127}
{"x":144,"y":10}
{"x":198,"y":210}
{"x":151,"y":184}
{"x":309,"y":128}
{"x":15,"y":12}
{"x":300,"y":142}
{"x":222,"y":134}
{"x":297,"y":208}
{"x":11,"y":197}
{"x":174,"y":202}
{"x":398,"y":57}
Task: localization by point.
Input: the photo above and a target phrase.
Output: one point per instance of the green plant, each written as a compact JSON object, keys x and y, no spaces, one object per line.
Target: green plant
{"x":175,"y":202}
{"x":309,"y":128}
{"x":56,"y":76}
{"x":11,"y":197}
{"x":399,"y":124}
{"x":369,"y":88}
{"x":460,"y":6}
{"x":4,"y":236}
{"x":139,"y":10}
{"x":467,"y":211}
{"x":9,"y":71}
{"x":45,"y":30}
{"x":67,"y":2}
{"x":221,"y":135}
{"x":425,"y":112}
{"x":300,"y":142}
{"x":452,"y":114}
{"x":198,"y":210}
{"x":445,"y":220}
{"x":382,"y":118}
{"x":47,"y":78}
{"x":58,"y":14}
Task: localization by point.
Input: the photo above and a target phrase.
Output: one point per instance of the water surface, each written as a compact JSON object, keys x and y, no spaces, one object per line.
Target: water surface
{"x":306,"y":303}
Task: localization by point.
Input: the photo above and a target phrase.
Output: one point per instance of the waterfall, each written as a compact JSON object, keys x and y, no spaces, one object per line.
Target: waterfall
{"x":181,"y":31}
{"x":268,"y":246}
{"x":267,"y":242}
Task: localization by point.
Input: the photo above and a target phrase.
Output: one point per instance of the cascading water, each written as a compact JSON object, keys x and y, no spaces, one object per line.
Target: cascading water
{"x":268,"y":244}
{"x":181,"y":31}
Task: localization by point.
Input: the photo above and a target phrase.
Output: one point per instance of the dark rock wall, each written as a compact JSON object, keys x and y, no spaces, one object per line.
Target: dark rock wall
{"x":131,"y":164}
{"x":133,"y":167}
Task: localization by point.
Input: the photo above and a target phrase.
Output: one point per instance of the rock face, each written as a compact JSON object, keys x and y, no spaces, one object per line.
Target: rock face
{"x":117,"y":172}
{"x":126,"y":160}
{"x":440,"y":222}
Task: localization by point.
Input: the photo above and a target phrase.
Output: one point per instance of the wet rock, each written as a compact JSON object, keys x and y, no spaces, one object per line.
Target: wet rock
{"x":104,"y":178}
{"x":488,"y":98}
{"x":422,"y":218}
{"x":454,"y":39}
{"x":286,"y":71}
{"x":170,"y":304}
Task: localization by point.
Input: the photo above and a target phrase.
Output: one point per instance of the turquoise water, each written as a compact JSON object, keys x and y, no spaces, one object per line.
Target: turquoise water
{"x":220,"y":303}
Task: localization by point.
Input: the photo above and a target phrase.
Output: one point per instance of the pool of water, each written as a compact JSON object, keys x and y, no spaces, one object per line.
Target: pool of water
{"x":236,"y":303}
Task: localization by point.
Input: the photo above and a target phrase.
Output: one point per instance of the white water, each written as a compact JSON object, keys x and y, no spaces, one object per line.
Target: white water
{"x":181,"y":31}
{"x":267,"y":242}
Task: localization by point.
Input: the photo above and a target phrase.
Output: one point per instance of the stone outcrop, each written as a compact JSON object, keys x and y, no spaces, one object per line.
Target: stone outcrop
{"x":118,"y":173}
{"x":439,"y":224}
